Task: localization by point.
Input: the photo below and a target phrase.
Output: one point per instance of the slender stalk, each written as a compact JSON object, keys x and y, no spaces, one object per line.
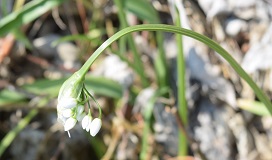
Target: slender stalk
{"x":182,"y":105}
{"x":131,"y":43}
{"x":173,"y":29}
{"x":97,"y":104}
{"x":160,"y":63}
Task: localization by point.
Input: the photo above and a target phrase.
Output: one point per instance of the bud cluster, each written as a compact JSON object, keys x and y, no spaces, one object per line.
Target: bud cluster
{"x":70,"y":109}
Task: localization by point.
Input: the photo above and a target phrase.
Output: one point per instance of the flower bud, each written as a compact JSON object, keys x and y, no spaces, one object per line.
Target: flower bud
{"x":80,"y":116}
{"x":71,"y":88}
{"x":61,"y":119}
{"x":67,"y":113}
{"x":80,"y":109}
{"x":67,"y":102}
{"x":70,"y":123}
{"x":85,"y":122}
{"x":95,"y":126}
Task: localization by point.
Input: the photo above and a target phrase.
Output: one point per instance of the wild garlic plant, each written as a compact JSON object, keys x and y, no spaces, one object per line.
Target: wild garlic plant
{"x":72,"y":98}
{"x":73,"y":95}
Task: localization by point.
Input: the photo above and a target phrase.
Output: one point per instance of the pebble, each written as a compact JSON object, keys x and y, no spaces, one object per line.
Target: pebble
{"x":66,"y":53}
{"x":234,"y":26}
{"x":114,"y":68}
{"x":44,"y":46}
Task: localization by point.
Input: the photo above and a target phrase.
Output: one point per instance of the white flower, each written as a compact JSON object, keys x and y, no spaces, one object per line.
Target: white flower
{"x":86,"y":121}
{"x":70,"y":123}
{"x":61,"y":119}
{"x":67,"y":113}
{"x":80,"y":116}
{"x":80,"y":109}
{"x":95,"y":126}
{"x":67,"y":103}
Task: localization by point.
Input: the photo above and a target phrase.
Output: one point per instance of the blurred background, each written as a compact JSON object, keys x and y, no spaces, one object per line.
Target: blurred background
{"x":136,"y":79}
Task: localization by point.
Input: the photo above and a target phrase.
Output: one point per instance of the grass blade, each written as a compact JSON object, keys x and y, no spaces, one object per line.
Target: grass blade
{"x":254,"y":107}
{"x":28,"y":13}
{"x":99,"y":85}
{"x":131,"y":43}
{"x":10,"y":97}
{"x":142,"y":9}
{"x":174,"y":29}
{"x":146,"y":12}
{"x":182,"y":104}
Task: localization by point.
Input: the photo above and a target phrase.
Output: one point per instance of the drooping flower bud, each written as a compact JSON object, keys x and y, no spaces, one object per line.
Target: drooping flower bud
{"x":67,"y":103}
{"x":67,"y":113}
{"x":95,"y":126}
{"x":85,"y":122}
{"x":70,"y":123}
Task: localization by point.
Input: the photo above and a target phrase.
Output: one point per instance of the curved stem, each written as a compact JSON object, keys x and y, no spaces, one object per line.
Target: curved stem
{"x":98,"y":105}
{"x":173,"y":29}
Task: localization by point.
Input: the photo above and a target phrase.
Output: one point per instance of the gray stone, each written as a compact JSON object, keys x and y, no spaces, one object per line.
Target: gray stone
{"x":44,"y":47}
{"x":234,"y":26}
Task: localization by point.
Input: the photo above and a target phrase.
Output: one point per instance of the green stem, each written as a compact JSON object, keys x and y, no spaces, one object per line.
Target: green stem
{"x":160,"y":63}
{"x":182,"y":105}
{"x":173,"y":29}
{"x":98,"y":105}
{"x":131,"y":43}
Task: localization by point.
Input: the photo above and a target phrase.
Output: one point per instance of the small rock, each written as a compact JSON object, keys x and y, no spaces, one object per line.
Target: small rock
{"x":114,"y":68}
{"x":211,"y":131}
{"x":243,"y":9}
{"x":234,"y":26}
{"x":259,"y":56}
{"x":44,"y":47}
{"x":25,"y":146}
{"x":68,"y":54}
{"x":142,"y":98}
{"x":213,"y":8}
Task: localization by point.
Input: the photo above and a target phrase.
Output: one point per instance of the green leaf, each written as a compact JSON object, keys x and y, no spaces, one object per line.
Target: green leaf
{"x":44,"y":87}
{"x":95,"y":35}
{"x":142,"y":9}
{"x":173,"y":29}
{"x":99,"y":85}
{"x":254,"y":107}
{"x":145,"y":11}
{"x":104,"y":86}
{"x":10,"y":97}
{"x":28,"y":13}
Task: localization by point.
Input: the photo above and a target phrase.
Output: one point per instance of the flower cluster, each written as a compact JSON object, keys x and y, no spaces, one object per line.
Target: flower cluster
{"x":70,"y":109}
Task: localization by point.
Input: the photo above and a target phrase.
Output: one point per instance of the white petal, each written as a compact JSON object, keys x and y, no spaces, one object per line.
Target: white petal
{"x":80,"y":109}
{"x":61,"y":119}
{"x":88,"y":127}
{"x":67,"y":102}
{"x":80,"y":116}
{"x":89,"y":124}
{"x":95,"y":126}
{"x":85,"y":122}
{"x":67,"y":113}
{"x":69,"y":124}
